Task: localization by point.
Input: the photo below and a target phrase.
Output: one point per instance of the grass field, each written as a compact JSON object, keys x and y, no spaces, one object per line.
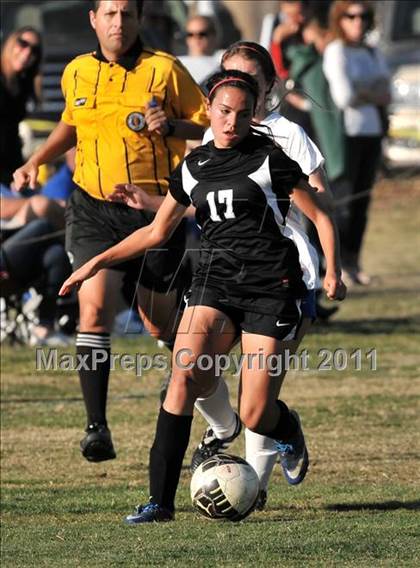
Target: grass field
{"x":359,"y":504}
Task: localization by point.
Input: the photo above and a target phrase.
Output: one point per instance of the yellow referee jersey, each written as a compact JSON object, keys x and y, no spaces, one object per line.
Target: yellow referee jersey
{"x":106,"y":103}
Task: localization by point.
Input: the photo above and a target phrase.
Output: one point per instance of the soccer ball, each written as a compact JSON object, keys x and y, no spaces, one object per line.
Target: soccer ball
{"x":224,"y":487}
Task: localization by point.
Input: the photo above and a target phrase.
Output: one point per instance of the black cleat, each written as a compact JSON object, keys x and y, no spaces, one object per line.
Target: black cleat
{"x":97,"y":445}
{"x":261,"y":500}
{"x":211,"y":445}
{"x":323,"y":314}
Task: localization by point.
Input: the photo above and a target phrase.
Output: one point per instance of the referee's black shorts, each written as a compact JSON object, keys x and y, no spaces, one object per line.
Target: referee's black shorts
{"x":93,"y":225}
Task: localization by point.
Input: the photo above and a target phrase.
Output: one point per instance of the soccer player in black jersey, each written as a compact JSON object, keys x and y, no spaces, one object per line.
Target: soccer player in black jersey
{"x":248,"y":280}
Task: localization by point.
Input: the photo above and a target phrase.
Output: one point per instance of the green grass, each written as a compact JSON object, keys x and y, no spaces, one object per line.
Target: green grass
{"x":359,"y":504}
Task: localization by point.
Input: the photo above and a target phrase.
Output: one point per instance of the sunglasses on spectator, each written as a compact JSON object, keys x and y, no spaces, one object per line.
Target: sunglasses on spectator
{"x":204,"y":33}
{"x":34,"y":47}
{"x":364,"y":16}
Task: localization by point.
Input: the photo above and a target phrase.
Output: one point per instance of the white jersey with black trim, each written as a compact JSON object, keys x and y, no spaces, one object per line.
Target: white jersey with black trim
{"x":299,"y":147}
{"x":241,"y":196}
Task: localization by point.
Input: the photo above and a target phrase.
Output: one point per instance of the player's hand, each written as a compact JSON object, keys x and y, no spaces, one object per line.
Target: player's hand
{"x":156,"y":120}
{"x":86,"y":271}
{"x":334,"y":287}
{"x":26,"y":176}
{"x":132,"y":195}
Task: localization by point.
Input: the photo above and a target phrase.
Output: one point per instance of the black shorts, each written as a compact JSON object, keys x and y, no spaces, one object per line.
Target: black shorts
{"x":93,"y":225}
{"x":283,"y":325}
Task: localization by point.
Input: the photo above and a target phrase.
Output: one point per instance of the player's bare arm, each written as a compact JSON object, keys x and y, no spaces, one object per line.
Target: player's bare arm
{"x":306,"y":200}
{"x":136,"y":198}
{"x":150,"y":236}
{"x":318,"y":180}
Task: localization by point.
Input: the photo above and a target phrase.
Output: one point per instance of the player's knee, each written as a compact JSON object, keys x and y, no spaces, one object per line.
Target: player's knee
{"x":94,"y":317}
{"x":186,"y":381}
{"x":252,"y":416}
{"x":165,"y":335}
{"x":162,"y":332}
{"x":182,"y":390}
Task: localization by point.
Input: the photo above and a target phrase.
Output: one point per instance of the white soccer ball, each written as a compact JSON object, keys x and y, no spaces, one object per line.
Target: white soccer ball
{"x":224,"y":487}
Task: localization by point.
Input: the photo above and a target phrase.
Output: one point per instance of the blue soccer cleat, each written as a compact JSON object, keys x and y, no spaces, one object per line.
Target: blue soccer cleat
{"x":150,"y":513}
{"x":294,"y":458}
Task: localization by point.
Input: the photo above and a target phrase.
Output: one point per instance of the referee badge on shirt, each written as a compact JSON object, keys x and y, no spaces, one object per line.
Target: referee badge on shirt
{"x":136,"y":121}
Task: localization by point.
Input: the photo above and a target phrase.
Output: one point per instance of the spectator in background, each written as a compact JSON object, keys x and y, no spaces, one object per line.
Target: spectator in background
{"x":307,"y":69}
{"x":227,"y":30}
{"x":19,"y":83}
{"x":281,"y":30}
{"x":280,"y":33}
{"x":201,"y":39}
{"x":359,"y":83}
{"x":48,"y":203}
{"x":201,"y":36}
{"x":34,"y":254}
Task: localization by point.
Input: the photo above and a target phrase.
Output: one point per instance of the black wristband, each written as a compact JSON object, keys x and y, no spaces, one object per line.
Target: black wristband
{"x":171,"y":128}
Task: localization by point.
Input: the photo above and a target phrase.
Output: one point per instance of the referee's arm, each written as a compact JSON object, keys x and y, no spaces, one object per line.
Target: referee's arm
{"x":183,"y":128}
{"x":61,"y":139}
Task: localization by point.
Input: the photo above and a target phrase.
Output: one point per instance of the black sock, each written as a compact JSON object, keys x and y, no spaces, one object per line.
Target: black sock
{"x":168,"y":450}
{"x":286,"y":427}
{"x":93,"y":356}
{"x":168,"y":344}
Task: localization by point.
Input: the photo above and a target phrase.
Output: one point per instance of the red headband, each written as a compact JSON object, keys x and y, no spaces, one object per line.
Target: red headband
{"x":227,"y":80}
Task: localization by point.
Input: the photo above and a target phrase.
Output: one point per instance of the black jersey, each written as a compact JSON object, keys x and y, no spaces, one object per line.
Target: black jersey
{"x":242,"y":197}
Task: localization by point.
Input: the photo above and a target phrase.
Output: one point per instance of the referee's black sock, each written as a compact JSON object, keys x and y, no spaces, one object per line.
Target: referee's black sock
{"x":286,"y":427}
{"x":93,"y":357}
{"x":168,"y":450}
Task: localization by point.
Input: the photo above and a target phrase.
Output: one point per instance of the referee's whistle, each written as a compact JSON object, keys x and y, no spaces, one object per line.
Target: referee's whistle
{"x":153,"y":103}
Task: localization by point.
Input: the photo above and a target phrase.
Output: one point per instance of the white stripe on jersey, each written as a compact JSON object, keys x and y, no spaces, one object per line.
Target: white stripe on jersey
{"x":262,"y":178}
{"x":188,"y":182}
{"x":308,"y":257}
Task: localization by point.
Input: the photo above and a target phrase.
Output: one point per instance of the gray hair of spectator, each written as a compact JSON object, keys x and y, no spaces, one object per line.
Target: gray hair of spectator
{"x":139,"y":5}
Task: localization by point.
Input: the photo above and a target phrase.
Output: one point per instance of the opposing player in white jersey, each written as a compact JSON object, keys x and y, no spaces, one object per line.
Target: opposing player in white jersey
{"x":224,"y":425}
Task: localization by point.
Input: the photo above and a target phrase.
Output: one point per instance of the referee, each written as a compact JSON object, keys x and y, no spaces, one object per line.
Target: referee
{"x":128,"y":110}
